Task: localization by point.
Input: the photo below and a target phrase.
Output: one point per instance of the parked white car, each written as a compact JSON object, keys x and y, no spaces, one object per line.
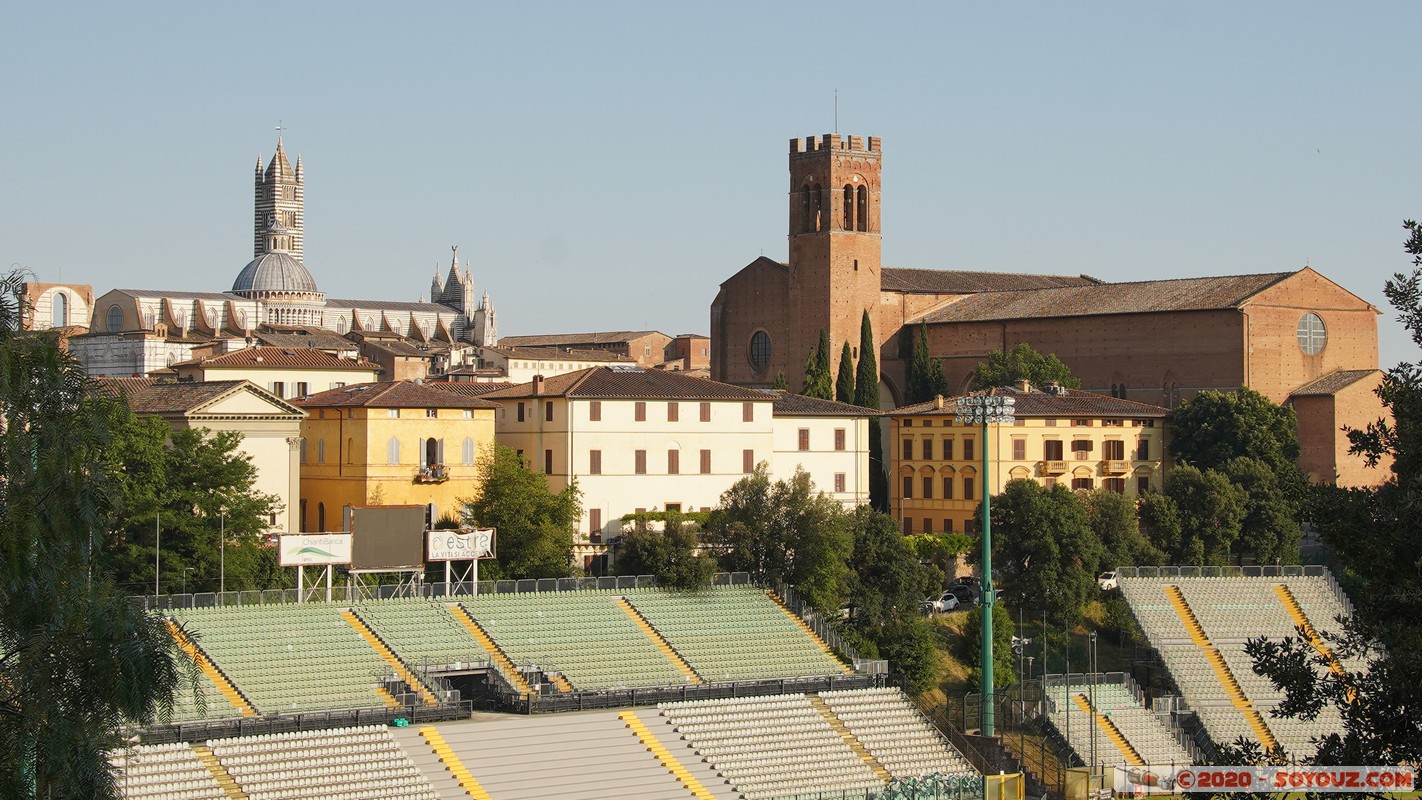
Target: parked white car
{"x":944,"y":602}
{"x":1108,"y":581}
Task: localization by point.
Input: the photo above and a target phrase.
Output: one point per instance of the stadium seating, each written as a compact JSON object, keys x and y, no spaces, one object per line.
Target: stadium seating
{"x":422,"y":632}
{"x":733,"y":633}
{"x":886,"y":722}
{"x":163,"y":772}
{"x":348,"y":764}
{"x":1144,"y":734}
{"x":290,"y":658}
{"x":214,"y":704}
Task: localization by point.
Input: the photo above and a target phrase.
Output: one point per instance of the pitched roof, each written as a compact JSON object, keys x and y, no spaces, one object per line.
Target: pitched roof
{"x":788,"y":404}
{"x":622,"y":383}
{"x":391,"y":394}
{"x":949,"y":281}
{"x":181,"y":295}
{"x":1181,"y":294}
{"x":557,"y":353}
{"x":469,"y":388}
{"x":1038,"y":403}
{"x":568,"y":339}
{"x":1332,"y":383}
{"x":280,"y":358}
{"x":387,"y":305}
{"x":317,"y":338}
{"x":148,"y":396}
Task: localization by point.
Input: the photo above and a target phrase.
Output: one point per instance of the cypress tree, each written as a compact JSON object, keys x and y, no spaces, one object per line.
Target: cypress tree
{"x":866,"y":395}
{"x":818,"y":381}
{"x":844,"y":382}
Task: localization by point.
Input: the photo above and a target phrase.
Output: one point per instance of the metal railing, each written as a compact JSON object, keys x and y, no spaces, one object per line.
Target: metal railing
{"x":304,"y":721}
{"x":824,"y":629}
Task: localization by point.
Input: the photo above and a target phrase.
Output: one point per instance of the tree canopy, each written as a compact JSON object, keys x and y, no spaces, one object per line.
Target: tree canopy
{"x":1213,"y":427}
{"x":844,"y":380}
{"x":1003,"y":368}
{"x":925,"y":373}
{"x":77,"y":661}
{"x":866,"y":395}
{"x":819,"y":382}
{"x":535,"y":524}
{"x":671,"y":554}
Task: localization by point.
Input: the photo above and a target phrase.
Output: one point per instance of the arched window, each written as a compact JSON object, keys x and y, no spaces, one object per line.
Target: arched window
{"x":59,"y":310}
{"x":468,"y":450}
{"x":848,"y":207}
{"x":320,"y":517}
{"x":817,"y":200}
{"x":115,"y":319}
{"x":760,"y":350}
{"x":320,"y":451}
{"x":431,"y":454}
{"x":807,"y":210}
{"x":303,"y":450}
{"x":392,"y":451}
{"x":861,"y":208}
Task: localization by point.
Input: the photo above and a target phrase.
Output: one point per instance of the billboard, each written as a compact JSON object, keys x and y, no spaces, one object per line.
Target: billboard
{"x":388,"y":538}
{"x":460,"y":545}
{"x":314,"y":549}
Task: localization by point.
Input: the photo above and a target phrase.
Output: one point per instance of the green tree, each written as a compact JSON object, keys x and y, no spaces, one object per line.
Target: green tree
{"x":844,"y":381}
{"x":939,"y":549}
{"x":77,"y":660}
{"x":925,"y":373}
{"x":1211,"y":511}
{"x":780,"y":381}
{"x":1044,"y":548}
{"x":888,"y":580}
{"x":535,"y":524}
{"x":784,"y":531}
{"x":818,"y":380}
{"x":1270,"y":530}
{"x":1003,"y":368}
{"x":1113,"y":519}
{"x":1004,"y":661}
{"x":1214,"y":427}
{"x":1160,"y":523}
{"x":866,"y":395}
{"x":670,"y":554}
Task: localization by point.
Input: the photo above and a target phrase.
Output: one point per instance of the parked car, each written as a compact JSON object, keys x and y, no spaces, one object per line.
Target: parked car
{"x":1108,"y":581}
{"x":944,"y":602}
{"x":967,"y":595}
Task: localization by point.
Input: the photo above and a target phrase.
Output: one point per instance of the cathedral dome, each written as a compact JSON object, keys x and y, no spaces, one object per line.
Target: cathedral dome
{"x":278,"y":272}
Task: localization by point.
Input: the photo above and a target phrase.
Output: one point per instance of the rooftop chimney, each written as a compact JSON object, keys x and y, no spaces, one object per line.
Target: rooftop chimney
{"x":537,"y":385}
{"x":938,"y":402}
{"x":1023,"y":385}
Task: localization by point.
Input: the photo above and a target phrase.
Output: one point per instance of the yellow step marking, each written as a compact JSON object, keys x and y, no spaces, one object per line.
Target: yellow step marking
{"x":656,"y":637}
{"x":1112,"y":732}
{"x":560,"y":682}
{"x":387,"y":697}
{"x":495,"y":652}
{"x":452,"y":763}
{"x":205,"y":665}
{"x":1296,"y":613}
{"x":219,"y":772}
{"x":810,"y":632}
{"x":669,"y":761}
{"x":849,"y":738}
{"x":384,"y":652}
{"x":1222,"y":671}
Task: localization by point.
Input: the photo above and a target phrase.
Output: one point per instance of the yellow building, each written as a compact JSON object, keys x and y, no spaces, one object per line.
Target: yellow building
{"x":390,"y":443}
{"x":1084,"y":439}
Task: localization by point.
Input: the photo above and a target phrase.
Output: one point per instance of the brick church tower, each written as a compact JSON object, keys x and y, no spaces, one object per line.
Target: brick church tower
{"x":835,"y":243}
{"x":280,"y":194}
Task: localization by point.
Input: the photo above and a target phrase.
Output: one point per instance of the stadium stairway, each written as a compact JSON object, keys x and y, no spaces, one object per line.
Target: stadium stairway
{"x":219,"y":772}
{"x":810,"y":632}
{"x":1113,"y":734}
{"x":455,"y":771}
{"x":208,"y":669}
{"x":1301,"y":621}
{"x":379,"y":646}
{"x":854,"y":744}
{"x":656,"y":638}
{"x":496,"y":653}
{"x":665,"y":756}
{"x":1221,"y":669}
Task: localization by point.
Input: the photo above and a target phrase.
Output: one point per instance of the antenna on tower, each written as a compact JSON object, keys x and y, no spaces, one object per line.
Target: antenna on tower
{"x":836,"y":111}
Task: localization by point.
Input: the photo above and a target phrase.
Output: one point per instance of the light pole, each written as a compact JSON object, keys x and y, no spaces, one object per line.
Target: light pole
{"x":221,"y":552}
{"x":1094,"y":726}
{"x":157,"y":549}
{"x":986,"y":409}
{"x":186,"y":570}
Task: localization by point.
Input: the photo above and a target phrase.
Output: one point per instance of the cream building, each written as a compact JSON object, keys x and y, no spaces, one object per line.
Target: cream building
{"x":651,"y":440}
{"x":522,"y":364}
{"x":1083,"y":439}
{"x":389,"y":443}
{"x":285,"y":372}
{"x":270,"y":427}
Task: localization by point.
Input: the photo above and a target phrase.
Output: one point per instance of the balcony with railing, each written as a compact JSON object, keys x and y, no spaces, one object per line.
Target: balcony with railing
{"x":1054,"y":467}
{"x":432,"y":473}
{"x":1116,"y":467}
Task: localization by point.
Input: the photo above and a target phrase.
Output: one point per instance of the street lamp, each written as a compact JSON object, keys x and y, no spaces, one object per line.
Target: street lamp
{"x":222,"y":552}
{"x":984,"y":410}
{"x":186,"y":570}
{"x":1094,"y":712}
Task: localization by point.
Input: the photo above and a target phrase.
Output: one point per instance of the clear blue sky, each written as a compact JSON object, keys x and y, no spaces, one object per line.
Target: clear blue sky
{"x":607,"y":165}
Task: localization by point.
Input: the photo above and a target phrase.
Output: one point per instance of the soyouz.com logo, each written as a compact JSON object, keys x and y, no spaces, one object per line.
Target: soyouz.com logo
{"x":1274,"y":779}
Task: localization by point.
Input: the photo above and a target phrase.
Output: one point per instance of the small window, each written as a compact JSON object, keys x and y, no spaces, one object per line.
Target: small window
{"x":320,"y":451}
{"x":705,"y":412}
{"x":908,"y":487}
{"x":747,"y":461}
{"x":747,"y":412}
{"x":906,"y":453}
{"x":279,"y":389}
{"x":595,"y":521}
{"x":520,"y":411}
{"x":432,"y":413}
{"x":947,"y":449}
{"x":839,"y":482}
{"x":1142,"y":484}
{"x":392,"y":451}
{"x":1117,"y":485}
{"x":804,"y":442}
{"x":468,"y":413}
{"x":594,"y":462}
{"x":947,"y":488}
{"x":1081,"y":423}
{"x":1019,"y":449}
{"x":908,"y":526}
{"x":927,"y":525}
{"x":547,"y":462}
{"x":968,"y":487}
{"x":839,"y":438}
{"x":301,"y":389}
{"x":673,"y":412}
{"x":1082,"y":484}
{"x":639,"y":413}
{"x":1081,"y":449}
{"x":303,"y":451}
{"x":705,"y":462}
{"x":393,"y":413}
{"x":968,"y":449}
{"x":640,"y":460}
{"x":547,"y":411}
{"x":1052,"y":450}
{"x":1143,"y":449}
{"x":928,"y":448}
{"x":467,"y":451}
{"x":928,"y":487}
{"x":595,"y":411}
{"x":1049,"y":422}
{"x":1113,"y":450}
{"x":947,"y":526}
{"x":673,"y":462}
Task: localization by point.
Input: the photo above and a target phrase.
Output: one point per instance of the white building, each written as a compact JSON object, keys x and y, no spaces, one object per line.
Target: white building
{"x":650,"y":440}
{"x":522,"y":364}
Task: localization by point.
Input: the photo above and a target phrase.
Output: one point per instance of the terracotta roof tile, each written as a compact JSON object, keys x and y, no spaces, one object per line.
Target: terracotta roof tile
{"x":624,"y":383}
{"x":1183,"y":294}
{"x":469,"y":388}
{"x":147,"y":396}
{"x":1333,"y":382}
{"x":391,"y":394}
{"x":558,"y":353}
{"x":280,"y":358}
{"x":788,"y":404}
{"x":573,"y":339}
{"x":1038,"y":403}
{"x":947,"y":281}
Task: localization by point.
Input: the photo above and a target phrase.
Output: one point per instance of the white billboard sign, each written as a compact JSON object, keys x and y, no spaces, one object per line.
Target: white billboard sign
{"x":315,"y":549}
{"x":459,"y":545}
